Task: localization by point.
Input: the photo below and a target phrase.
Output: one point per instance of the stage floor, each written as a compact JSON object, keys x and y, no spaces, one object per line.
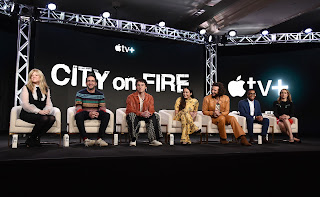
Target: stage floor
{"x":167,"y":164}
{"x":78,"y":150}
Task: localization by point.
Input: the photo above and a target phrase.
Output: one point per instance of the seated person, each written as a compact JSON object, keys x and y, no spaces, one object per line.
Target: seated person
{"x":36,"y":106}
{"x":283,"y":109}
{"x":217,"y":106}
{"x":186,"y":108}
{"x":250,"y":108}
{"x":90,"y":104}
{"x":140,"y":106}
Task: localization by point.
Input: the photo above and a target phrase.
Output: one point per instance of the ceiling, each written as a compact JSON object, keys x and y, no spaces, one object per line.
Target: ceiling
{"x":217,"y":16}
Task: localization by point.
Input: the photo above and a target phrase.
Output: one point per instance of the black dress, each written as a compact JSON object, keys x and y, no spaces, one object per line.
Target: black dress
{"x":281,"y":108}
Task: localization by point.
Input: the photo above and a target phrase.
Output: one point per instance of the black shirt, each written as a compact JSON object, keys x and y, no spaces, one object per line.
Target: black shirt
{"x":283,"y":108}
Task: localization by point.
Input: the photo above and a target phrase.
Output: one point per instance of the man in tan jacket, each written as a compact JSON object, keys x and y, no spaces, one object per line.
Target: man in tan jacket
{"x":217,"y":106}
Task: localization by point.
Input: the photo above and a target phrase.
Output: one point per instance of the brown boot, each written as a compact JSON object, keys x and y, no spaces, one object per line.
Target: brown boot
{"x":244,"y":141}
{"x":224,"y":141}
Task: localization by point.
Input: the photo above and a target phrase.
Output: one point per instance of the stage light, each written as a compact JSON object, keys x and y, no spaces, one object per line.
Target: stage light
{"x":203,"y":31}
{"x":232,"y":33}
{"x":106,"y":14}
{"x":308,"y":30}
{"x":210,"y":38}
{"x":162,"y":24}
{"x":52,"y":6}
{"x":264,"y":32}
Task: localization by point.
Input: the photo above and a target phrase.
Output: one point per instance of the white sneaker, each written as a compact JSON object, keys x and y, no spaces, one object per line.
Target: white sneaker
{"x":133,"y":143}
{"x":100,"y":142}
{"x":155,"y":143}
{"x":88,"y":142}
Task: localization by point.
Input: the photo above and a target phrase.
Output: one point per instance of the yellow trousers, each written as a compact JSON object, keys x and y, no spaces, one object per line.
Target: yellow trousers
{"x":187,"y":125}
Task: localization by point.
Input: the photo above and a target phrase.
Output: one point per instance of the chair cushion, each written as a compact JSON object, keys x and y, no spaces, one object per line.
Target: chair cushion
{"x":21,"y":123}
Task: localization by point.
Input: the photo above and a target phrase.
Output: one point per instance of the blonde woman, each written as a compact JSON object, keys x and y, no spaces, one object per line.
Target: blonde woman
{"x":186,"y":108}
{"x":283,"y":109}
{"x":36,"y":106}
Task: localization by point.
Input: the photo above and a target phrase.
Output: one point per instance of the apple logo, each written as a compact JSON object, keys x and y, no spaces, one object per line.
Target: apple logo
{"x":117,"y":47}
{"x":236,"y":87}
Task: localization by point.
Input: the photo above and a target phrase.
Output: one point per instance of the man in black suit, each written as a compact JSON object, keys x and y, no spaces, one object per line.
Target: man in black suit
{"x":250,"y":108}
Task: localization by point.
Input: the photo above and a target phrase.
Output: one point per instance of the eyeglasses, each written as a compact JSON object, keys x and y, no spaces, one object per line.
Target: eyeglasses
{"x":251,"y":93}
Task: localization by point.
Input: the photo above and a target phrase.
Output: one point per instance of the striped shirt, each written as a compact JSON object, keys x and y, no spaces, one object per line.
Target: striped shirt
{"x":90,"y":100}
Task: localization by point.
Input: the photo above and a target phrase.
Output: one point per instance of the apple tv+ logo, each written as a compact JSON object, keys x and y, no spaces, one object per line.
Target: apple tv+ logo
{"x":124,"y":49}
{"x":235,"y":88}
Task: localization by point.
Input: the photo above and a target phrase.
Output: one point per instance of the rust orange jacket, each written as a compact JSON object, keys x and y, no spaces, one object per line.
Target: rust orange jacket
{"x":209,"y":105}
{"x":133,"y":104}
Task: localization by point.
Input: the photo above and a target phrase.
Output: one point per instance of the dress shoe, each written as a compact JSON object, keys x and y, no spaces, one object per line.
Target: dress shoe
{"x":224,"y":141}
{"x":244,"y":141}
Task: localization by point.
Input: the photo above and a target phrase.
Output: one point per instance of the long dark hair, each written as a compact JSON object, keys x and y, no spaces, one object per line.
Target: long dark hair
{"x":183,"y":100}
{"x":222,"y":89}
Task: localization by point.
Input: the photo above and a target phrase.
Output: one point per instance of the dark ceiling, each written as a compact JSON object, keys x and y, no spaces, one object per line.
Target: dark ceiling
{"x":217,"y":16}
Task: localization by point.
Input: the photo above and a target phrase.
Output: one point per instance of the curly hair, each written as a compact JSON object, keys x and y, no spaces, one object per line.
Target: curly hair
{"x":222,"y":89}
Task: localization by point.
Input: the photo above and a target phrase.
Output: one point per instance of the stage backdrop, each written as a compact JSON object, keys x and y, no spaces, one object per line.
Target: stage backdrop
{"x":268,"y":69}
{"x":66,"y":55}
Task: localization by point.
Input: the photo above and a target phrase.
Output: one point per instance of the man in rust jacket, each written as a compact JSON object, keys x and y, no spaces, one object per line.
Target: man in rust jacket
{"x":140,"y":106}
{"x":217,"y":106}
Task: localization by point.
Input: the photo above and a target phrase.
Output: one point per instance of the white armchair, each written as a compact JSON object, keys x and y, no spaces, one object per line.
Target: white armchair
{"x":92,"y":126}
{"x":170,"y":126}
{"x":276,"y":128}
{"x":209,"y":127}
{"x":18,"y":126}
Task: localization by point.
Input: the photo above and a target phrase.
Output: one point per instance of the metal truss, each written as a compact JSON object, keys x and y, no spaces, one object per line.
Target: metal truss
{"x":273,"y":38}
{"x":99,"y":22}
{"x":211,"y":66}
{"x":23,"y":54}
{"x":5,"y":7}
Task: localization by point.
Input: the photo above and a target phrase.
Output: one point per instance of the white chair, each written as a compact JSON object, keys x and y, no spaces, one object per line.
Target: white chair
{"x":121,"y":123}
{"x":275,"y":126}
{"x":18,"y":126}
{"x":209,"y":128}
{"x":170,"y":126}
{"x":91,"y":126}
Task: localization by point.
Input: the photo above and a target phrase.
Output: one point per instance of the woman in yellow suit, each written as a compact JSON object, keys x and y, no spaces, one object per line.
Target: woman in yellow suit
{"x":186,"y":108}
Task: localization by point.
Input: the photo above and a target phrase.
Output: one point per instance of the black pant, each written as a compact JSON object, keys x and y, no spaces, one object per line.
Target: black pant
{"x":152,"y":126}
{"x":84,"y":115}
{"x":42,"y":122}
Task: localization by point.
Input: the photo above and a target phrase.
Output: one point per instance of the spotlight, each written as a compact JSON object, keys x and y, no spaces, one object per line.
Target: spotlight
{"x":52,"y":6}
{"x":106,"y":14}
{"x":264,"y":32}
{"x":162,"y":24}
{"x":232,"y":33}
{"x":308,"y":30}
{"x":203,"y":31}
{"x":210,"y":38}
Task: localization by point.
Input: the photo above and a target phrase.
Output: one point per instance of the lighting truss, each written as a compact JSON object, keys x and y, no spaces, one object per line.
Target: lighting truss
{"x":211,"y":66}
{"x":23,"y":54}
{"x":273,"y":38}
{"x":5,"y":7}
{"x":99,"y":22}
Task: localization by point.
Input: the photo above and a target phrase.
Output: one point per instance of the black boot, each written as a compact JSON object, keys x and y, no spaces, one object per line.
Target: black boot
{"x":30,"y":142}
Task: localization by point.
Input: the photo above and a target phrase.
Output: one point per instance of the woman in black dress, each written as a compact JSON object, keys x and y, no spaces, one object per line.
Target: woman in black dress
{"x":283,"y":109}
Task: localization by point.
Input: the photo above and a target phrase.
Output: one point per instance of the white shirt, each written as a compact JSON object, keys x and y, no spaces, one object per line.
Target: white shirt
{"x":31,"y":108}
{"x":251,"y":106}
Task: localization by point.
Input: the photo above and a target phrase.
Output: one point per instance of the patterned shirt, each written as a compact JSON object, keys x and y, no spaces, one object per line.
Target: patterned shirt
{"x":90,"y":100}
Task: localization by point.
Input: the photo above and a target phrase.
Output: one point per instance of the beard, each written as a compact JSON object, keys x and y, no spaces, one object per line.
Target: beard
{"x":214,"y":95}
